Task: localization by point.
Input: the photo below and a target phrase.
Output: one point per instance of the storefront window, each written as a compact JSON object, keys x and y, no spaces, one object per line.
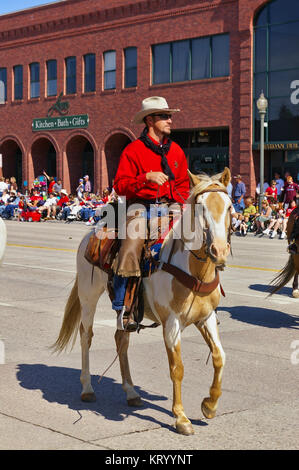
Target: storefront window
{"x":71,"y":81}
{"x":276,"y":70}
{"x":180,"y":61}
{"x":18,"y":82}
{"x":51,"y":78}
{"x":34,"y":80}
{"x":200,"y":58}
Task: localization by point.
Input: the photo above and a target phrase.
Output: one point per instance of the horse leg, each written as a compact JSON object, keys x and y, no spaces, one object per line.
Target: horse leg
{"x":211,"y":336}
{"x":172,"y":339}
{"x":122,"y":339}
{"x":295,"y":292}
{"x":86,"y":335}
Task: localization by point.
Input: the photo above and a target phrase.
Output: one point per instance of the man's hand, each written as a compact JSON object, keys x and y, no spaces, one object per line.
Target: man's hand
{"x":156,"y":177}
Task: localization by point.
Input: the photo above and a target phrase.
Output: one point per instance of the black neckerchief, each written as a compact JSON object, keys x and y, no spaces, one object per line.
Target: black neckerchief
{"x":161,"y":149}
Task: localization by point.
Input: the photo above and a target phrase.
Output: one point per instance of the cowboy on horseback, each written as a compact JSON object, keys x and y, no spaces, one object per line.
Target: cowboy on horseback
{"x":151,"y":168}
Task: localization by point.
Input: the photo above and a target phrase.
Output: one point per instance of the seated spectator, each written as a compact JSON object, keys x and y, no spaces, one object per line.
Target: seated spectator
{"x":13,"y":183}
{"x":34,"y":200}
{"x":282,"y":222}
{"x":278,"y":214}
{"x":48,"y":209}
{"x":263,"y":217}
{"x":3,"y":185}
{"x":71,"y":209}
{"x":22,"y":208}
{"x":245,"y":226}
{"x":249,"y":208}
{"x":271,"y":192}
{"x":62,"y":201}
{"x":11,"y":204}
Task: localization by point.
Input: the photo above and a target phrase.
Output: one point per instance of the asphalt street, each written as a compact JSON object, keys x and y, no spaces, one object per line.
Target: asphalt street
{"x":40,"y":405}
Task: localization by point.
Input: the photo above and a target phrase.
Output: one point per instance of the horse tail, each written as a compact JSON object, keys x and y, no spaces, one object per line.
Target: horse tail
{"x":71,"y":320}
{"x":284,"y":276}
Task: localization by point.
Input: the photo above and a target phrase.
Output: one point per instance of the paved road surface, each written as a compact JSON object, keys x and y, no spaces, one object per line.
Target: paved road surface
{"x":40,"y":405}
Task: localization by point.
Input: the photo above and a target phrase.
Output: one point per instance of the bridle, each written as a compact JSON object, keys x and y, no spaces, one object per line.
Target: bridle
{"x":206,"y":230}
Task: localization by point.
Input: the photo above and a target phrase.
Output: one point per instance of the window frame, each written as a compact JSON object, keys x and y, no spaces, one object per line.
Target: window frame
{"x":4,"y":69}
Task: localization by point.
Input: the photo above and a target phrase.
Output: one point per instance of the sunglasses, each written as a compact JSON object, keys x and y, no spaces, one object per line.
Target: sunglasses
{"x":164,"y":116}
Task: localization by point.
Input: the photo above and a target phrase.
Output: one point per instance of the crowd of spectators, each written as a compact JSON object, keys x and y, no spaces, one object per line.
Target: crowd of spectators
{"x":47,"y":199}
{"x":280,"y":199}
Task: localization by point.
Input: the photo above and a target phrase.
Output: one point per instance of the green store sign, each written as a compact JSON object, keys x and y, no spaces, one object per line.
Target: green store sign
{"x":63,"y":122}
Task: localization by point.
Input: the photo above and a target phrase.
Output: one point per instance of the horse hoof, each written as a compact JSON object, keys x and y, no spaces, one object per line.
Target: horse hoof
{"x":208,"y":412}
{"x":88,"y":397}
{"x":135,"y":402}
{"x":184,"y":428}
{"x":295,"y":293}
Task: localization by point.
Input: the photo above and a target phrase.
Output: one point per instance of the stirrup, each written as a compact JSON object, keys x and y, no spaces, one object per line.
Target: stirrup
{"x":128,"y":325}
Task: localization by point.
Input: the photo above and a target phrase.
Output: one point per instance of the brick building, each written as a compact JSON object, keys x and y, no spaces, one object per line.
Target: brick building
{"x":73,"y":74}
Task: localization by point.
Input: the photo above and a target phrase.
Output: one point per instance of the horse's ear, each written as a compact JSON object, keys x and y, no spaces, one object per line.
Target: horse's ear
{"x":194,"y":180}
{"x":226,"y":176}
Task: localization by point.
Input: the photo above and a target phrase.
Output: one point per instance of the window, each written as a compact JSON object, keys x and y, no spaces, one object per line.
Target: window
{"x":34,"y":80}
{"x":89,"y":72}
{"x":3,"y":84}
{"x":109,"y":70}
{"x":191,"y":59}
{"x":276,"y":69}
{"x":71,"y":80}
{"x":18,"y":82}
{"x":130,"y":67}
{"x":51,"y":78}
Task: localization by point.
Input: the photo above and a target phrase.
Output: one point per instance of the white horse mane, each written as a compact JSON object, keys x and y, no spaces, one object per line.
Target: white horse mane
{"x":204,"y":183}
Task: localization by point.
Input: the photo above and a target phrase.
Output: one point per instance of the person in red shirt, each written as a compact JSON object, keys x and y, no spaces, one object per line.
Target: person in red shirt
{"x":151,"y":169}
{"x":271,"y":192}
{"x":290,"y":191}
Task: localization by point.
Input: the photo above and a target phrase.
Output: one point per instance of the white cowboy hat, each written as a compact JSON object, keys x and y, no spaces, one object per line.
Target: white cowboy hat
{"x":151,"y":105}
{"x":63,"y":191}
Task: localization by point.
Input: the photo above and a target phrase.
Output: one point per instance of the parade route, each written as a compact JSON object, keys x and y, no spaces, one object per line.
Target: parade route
{"x":40,"y":405}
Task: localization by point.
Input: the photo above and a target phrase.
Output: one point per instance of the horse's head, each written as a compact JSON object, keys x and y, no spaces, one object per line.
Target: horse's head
{"x":209,"y":194}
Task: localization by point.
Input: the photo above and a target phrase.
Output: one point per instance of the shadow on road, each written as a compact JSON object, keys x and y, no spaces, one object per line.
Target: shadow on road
{"x":266,"y":317}
{"x":287,"y":291}
{"x":62,"y":385}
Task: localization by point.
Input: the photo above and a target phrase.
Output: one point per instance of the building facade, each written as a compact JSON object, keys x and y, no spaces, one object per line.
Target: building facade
{"x":73,"y":75}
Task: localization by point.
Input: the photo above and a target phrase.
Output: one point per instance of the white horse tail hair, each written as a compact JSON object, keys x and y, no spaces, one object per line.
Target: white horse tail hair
{"x":284,"y":276}
{"x":71,"y":321}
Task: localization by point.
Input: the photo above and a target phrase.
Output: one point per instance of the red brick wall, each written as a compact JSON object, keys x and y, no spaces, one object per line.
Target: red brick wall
{"x":76,"y":27}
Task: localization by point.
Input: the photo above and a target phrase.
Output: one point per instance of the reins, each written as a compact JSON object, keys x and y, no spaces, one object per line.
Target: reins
{"x":193,"y":283}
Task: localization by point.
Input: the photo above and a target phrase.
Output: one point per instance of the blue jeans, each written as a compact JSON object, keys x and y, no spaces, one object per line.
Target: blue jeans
{"x":86,"y":213}
{"x":9,"y":211}
{"x":239,"y":206}
{"x":119,"y":287}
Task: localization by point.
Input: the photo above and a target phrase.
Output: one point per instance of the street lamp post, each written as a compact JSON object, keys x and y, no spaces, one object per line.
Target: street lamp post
{"x":262,"y":105}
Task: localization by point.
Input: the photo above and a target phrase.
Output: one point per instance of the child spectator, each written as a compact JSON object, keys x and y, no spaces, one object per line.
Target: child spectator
{"x":245,"y":226}
{"x":271,"y":192}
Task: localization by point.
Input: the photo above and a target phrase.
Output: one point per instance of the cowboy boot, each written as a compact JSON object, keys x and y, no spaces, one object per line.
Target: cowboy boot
{"x":125,"y":322}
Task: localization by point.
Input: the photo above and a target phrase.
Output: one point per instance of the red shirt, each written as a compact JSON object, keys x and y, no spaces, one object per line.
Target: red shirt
{"x":63,"y":200}
{"x":136,"y":160}
{"x":50,"y":189}
{"x":271,"y":192}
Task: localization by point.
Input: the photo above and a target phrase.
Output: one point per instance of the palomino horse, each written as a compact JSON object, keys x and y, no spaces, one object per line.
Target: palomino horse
{"x":166,"y":300}
{"x":292,"y":266}
{"x":2,"y":239}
